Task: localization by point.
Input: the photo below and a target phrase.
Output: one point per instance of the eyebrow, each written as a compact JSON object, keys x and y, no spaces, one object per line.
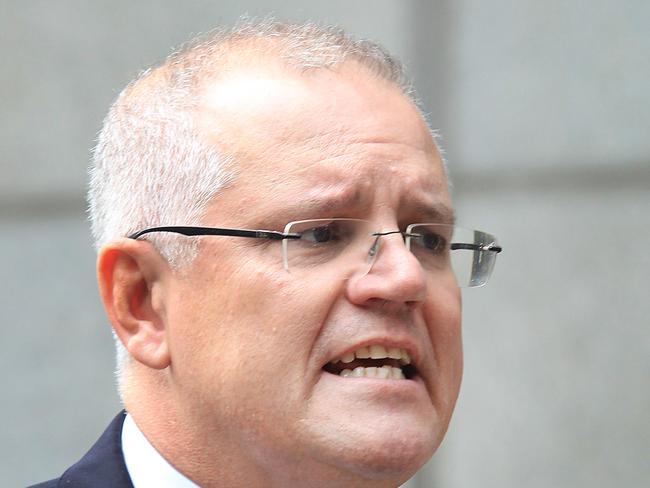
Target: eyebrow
{"x":329,"y":202}
{"x":340,"y":200}
{"x":439,"y":213}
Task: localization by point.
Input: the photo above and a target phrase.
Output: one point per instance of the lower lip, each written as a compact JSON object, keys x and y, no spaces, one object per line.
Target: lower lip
{"x":393,"y":387}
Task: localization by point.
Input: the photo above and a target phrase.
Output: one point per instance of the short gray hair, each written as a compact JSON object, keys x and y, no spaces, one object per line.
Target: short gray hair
{"x":150,"y":167}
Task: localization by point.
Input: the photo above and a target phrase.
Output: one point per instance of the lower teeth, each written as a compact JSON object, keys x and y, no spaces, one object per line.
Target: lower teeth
{"x":385,"y":372}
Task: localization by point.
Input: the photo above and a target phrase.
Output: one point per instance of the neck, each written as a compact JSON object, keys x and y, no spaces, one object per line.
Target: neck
{"x":206,"y":452}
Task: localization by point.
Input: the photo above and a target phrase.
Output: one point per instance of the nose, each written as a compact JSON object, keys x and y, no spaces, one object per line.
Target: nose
{"x":395,"y":275}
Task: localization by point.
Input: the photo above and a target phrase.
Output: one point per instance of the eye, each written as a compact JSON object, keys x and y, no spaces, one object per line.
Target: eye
{"x":339,"y":232}
{"x":433,"y":242}
{"x":318,"y":234}
{"x":321,"y":234}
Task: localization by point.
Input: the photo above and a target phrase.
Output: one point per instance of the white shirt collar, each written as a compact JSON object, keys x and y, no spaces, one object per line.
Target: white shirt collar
{"x":145,"y":465}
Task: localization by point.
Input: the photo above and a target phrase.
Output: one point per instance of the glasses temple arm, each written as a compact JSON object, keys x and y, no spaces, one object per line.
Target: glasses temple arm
{"x":475,"y":247}
{"x":216,"y":231}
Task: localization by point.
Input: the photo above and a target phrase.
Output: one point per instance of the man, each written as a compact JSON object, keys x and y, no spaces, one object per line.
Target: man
{"x":279,"y":320}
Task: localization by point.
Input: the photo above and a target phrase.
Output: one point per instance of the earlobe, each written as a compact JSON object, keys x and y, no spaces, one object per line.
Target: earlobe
{"x":131,"y":277}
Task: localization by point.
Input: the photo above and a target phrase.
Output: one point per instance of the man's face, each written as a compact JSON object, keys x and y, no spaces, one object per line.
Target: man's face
{"x":250,"y":342}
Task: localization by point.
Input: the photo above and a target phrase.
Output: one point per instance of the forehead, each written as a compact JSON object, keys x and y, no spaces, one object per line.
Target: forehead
{"x":322,"y":137}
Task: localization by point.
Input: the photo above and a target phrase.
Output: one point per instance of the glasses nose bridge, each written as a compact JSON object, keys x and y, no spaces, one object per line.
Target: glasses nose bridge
{"x":388,"y":232}
{"x":373,"y":252}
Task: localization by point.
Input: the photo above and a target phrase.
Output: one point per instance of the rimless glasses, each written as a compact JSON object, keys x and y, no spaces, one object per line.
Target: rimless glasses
{"x":349,"y":247}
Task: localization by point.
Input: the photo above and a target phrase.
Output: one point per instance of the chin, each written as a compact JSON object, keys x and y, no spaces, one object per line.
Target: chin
{"x":393,"y":460}
{"x":386,"y":449}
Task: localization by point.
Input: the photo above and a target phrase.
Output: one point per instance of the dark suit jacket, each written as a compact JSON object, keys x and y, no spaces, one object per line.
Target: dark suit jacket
{"x":102,"y":467}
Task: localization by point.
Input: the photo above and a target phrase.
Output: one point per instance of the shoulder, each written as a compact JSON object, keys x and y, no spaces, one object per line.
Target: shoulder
{"x":102,"y":466}
{"x":46,"y":484}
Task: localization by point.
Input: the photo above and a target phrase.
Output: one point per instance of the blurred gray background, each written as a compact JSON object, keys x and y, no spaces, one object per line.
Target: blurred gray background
{"x":544,"y":108}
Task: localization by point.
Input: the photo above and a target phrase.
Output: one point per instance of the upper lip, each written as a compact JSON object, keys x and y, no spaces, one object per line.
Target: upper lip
{"x":408,"y":345}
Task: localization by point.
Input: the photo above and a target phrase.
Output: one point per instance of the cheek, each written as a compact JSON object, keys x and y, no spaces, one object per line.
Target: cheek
{"x":443,"y":315}
{"x":252,"y":339}
{"x":216,"y":321}
{"x":242,"y":354}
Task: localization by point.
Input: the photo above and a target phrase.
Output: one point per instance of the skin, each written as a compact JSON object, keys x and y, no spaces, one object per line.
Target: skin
{"x":227,"y":381}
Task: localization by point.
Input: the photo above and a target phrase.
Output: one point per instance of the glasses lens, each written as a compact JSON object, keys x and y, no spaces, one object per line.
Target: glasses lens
{"x":441,"y":247}
{"x":342,"y":248}
{"x":328,"y":247}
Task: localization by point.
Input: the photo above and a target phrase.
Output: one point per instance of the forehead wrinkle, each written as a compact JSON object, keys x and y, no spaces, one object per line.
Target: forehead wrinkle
{"x":350,"y":185}
{"x":364,"y":159}
{"x":327,"y":200}
{"x":266,"y":153}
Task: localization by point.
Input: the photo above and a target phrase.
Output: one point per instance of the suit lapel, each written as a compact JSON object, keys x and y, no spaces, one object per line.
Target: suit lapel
{"x":103,"y":465}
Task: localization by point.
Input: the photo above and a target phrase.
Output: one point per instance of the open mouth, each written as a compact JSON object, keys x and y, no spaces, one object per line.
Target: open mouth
{"x":374,"y":361}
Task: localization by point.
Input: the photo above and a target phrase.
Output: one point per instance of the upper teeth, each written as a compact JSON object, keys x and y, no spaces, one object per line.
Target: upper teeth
{"x":376,"y":351}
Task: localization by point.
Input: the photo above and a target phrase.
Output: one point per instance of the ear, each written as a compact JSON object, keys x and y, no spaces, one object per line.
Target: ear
{"x":132,"y":276}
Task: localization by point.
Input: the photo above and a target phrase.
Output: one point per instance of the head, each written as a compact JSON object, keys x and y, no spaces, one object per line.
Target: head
{"x":233,"y":360}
